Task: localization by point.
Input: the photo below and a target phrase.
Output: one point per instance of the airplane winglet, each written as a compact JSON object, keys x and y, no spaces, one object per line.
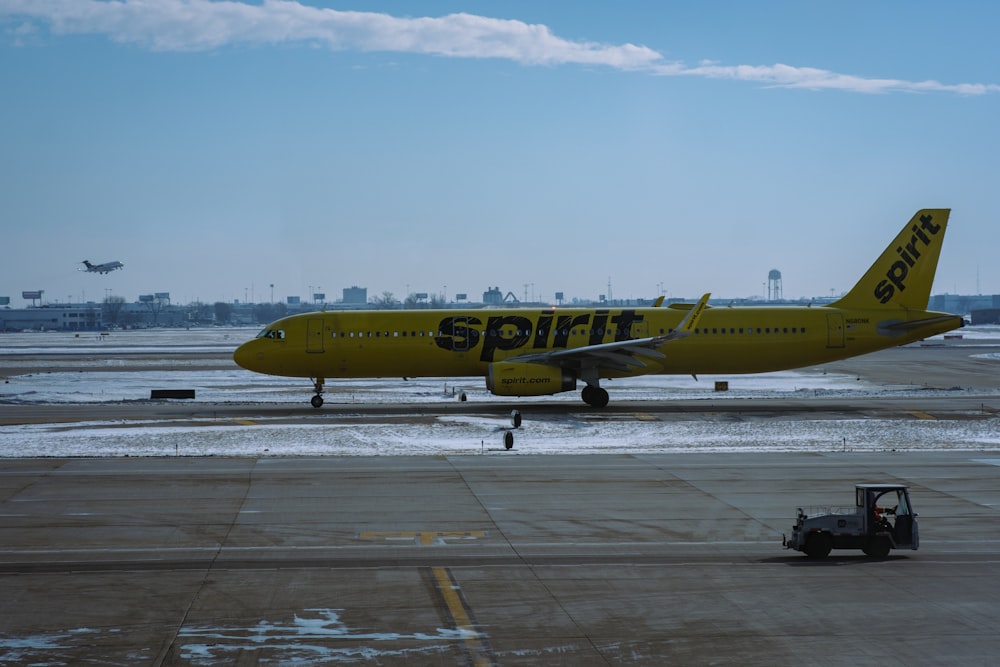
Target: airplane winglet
{"x":659,"y":301}
{"x":690,"y":321}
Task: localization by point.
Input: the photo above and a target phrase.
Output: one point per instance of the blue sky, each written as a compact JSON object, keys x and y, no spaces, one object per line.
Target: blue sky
{"x":217,"y":148}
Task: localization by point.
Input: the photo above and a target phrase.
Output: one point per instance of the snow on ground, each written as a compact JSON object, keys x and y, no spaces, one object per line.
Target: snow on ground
{"x":337,"y":432}
{"x":449,"y":434}
{"x":135,"y":340}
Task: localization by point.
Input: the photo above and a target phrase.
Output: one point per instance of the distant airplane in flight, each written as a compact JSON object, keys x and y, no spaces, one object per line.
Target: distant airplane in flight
{"x":107,"y":267}
{"x":536,"y":352}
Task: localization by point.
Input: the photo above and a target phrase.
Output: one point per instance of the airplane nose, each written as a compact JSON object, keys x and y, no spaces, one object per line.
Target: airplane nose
{"x":246,"y":357}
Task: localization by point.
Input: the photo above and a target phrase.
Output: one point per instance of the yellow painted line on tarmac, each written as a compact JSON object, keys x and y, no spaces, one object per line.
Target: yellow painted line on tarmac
{"x":424,"y":537}
{"x":451,"y":593}
{"x":245,"y":422}
{"x":921,"y":415}
{"x":646,"y":417}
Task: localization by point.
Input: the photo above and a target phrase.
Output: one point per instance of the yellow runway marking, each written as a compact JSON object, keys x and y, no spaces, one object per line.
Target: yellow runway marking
{"x":245,"y":422}
{"x":451,"y":593}
{"x":424,"y":537}
{"x":921,"y":415}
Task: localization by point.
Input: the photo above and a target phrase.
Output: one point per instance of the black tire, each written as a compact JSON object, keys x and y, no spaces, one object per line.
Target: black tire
{"x":600,"y":398}
{"x":317,"y":401}
{"x":595,"y":397}
{"x":819,"y":545}
{"x":877,"y":547}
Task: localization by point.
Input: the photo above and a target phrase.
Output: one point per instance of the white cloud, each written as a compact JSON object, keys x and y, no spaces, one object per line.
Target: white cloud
{"x":199,"y":25}
{"x":787,"y":76}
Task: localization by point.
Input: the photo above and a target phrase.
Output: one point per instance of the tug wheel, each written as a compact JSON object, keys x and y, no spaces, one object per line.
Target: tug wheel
{"x":819,"y":545}
{"x":877,"y":547}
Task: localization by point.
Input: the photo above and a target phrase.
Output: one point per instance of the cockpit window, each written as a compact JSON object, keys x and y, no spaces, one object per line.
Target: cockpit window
{"x":276,"y":334}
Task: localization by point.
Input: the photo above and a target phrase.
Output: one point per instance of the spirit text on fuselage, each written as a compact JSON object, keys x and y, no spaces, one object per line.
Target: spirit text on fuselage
{"x":548,"y":330}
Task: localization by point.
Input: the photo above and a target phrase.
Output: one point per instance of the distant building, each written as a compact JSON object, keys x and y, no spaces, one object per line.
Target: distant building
{"x":493,"y":296}
{"x":962,"y":304}
{"x":69,"y":317}
{"x":989,"y":315}
{"x":355,"y":295}
{"x":985,"y":316}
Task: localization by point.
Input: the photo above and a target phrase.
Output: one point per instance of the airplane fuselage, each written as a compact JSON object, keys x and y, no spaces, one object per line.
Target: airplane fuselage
{"x":443,"y":343}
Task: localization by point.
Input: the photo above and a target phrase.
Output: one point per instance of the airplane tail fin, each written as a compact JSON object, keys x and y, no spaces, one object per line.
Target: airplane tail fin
{"x":87,"y":263}
{"x":903,"y":274}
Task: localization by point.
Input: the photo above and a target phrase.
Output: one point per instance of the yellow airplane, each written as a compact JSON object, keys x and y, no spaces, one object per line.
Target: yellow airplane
{"x":540,"y":352}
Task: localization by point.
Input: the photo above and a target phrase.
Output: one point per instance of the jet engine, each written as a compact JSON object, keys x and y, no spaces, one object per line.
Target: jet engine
{"x":513,"y":378}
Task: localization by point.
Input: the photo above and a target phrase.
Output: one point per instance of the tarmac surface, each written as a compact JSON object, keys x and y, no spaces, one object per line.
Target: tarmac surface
{"x":626,"y":559}
{"x":490,"y":560}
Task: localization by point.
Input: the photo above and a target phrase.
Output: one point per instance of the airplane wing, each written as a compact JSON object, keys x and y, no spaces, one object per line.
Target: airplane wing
{"x":624,"y":355}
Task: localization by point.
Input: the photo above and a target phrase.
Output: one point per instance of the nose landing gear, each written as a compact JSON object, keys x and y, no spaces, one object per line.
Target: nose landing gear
{"x":317,"y":400}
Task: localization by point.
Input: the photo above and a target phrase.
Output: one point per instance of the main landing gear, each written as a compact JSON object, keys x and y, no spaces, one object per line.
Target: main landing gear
{"x":317,"y":400}
{"x":594,"y":396}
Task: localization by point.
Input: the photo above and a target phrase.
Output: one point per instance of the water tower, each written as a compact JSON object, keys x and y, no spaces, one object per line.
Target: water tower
{"x":774,"y":285}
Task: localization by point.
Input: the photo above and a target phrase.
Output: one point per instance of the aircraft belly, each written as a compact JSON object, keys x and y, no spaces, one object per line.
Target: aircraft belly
{"x":414,"y":361}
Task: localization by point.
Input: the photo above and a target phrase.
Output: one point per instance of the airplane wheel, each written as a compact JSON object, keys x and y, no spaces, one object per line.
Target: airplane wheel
{"x":317,"y":401}
{"x":594,"y":396}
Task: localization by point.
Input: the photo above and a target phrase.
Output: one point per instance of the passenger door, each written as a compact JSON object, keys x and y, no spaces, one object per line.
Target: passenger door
{"x":314,"y":335}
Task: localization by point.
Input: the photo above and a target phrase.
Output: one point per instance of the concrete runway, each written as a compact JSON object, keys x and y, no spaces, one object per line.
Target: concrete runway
{"x":634,"y":559}
{"x":488,"y":560}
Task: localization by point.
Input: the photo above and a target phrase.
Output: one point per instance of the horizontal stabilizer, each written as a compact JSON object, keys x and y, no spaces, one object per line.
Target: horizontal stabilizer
{"x":912,"y":325}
